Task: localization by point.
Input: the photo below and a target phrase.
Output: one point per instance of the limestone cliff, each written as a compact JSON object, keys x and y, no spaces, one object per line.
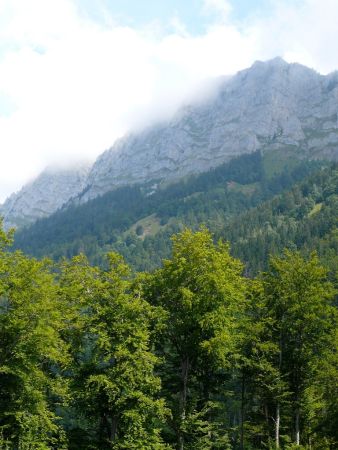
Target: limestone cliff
{"x":270,"y":105}
{"x":43,"y":196}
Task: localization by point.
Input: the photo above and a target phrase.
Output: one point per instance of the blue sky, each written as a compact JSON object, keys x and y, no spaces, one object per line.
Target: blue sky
{"x":75,"y":75}
{"x":192,"y":13}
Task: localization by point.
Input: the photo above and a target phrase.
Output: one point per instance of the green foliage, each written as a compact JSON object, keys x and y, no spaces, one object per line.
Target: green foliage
{"x":290,"y":220}
{"x":113,"y":379}
{"x":201,"y":292}
{"x":299,"y":301}
{"x":190,"y":356}
{"x":110,"y":222}
{"x":32,"y":353}
{"x":139,"y":230}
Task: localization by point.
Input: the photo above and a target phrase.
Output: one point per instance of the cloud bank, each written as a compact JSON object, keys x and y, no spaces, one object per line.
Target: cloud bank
{"x":71,"y":84}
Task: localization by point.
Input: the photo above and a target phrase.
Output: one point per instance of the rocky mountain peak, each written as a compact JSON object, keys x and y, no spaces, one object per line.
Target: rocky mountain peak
{"x":271,"y":105}
{"x":47,"y":193}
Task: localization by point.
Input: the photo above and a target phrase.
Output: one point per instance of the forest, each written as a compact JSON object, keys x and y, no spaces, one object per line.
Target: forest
{"x":194,"y":355}
{"x":261,"y":203}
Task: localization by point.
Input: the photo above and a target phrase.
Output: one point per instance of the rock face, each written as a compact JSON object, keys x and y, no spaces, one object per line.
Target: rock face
{"x":272,"y":105}
{"x":268,"y":106}
{"x":40,"y":198}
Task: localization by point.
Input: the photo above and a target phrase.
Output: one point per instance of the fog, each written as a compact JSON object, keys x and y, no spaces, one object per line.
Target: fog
{"x":70,"y":85}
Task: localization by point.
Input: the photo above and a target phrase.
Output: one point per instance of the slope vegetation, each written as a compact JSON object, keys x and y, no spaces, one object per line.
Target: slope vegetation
{"x":258,"y":210}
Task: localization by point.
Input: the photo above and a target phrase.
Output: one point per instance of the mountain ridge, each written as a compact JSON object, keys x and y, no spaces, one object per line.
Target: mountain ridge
{"x":44,"y":195}
{"x":270,"y":106}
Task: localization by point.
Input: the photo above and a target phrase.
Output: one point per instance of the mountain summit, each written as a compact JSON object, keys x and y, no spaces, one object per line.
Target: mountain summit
{"x":272,"y":105}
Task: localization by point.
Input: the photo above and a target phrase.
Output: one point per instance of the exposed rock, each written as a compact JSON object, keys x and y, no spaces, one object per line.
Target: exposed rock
{"x":272,"y":105}
{"x":43,"y":196}
{"x":268,"y":106}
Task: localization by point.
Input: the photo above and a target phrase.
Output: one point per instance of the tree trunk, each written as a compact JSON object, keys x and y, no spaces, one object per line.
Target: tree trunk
{"x":113,"y":428}
{"x":297,"y":427}
{"x":183,"y":398}
{"x":206,"y":395}
{"x":242,"y":412}
{"x":277,"y":425}
{"x":297,"y":379}
{"x":267,"y":422}
{"x":266,"y":414}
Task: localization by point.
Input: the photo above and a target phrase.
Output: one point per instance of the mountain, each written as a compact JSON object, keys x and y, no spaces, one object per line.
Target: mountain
{"x":272,"y":105}
{"x":302,"y":217}
{"x":232,"y":200}
{"x":43,"y":196}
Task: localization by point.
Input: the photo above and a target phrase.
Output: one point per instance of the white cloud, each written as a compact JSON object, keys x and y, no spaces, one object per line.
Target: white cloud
{"x":78,"y":84}
{"x":221,"y":7}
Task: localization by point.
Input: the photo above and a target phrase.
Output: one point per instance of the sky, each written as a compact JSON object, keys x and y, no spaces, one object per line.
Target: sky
{"x":77,"y":74}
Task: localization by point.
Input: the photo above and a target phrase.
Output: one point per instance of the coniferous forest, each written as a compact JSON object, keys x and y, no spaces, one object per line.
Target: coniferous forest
{"x":260,"y":203}
{"x":192,"y":355}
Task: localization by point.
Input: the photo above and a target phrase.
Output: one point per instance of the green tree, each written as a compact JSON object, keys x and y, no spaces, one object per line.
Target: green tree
{"x":115,"y":389}
{"x":201,"y":291}
{"x":32,"y":353}
{"x":257,"y":379}
{"x":299,"y":300}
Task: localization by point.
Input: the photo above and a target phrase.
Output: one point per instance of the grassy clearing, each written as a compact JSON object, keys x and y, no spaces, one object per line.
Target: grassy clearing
{"x":315,"y":209}
{"x":275,"y":162}
{"x":246,"y":189}
{"x":150,"y":226}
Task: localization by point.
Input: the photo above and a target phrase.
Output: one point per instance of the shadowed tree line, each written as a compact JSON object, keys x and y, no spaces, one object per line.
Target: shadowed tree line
{"x":115,"y":220}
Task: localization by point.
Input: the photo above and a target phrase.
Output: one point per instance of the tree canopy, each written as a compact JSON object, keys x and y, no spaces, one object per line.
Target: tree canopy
{"x":194,"y":355}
